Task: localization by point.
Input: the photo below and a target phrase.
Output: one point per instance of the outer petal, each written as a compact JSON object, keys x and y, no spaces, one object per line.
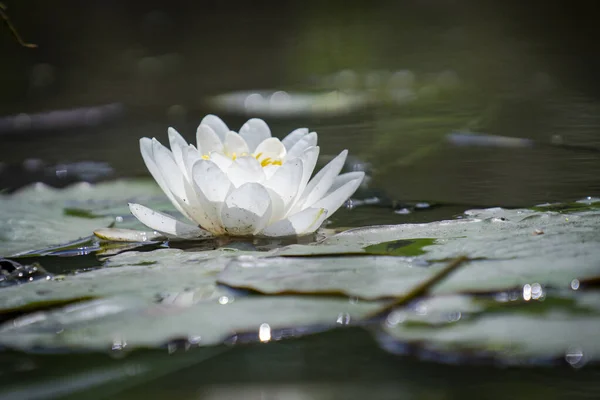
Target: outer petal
{"x":169,"y":169}
{"x":304,"y":143}
{"x":247,"y":210}
{"x":320,"y":184}
{"x":178,"y":144}
{"x":208,"y":141}
{"x":183,"y":191}
{"x":235,"y":144}
{"x":302,"y":223}
{"x":217,"y":125}
{"x":334,"y":200}
{"x":254,"y":132}
{"x":342,"y":179}
{"x":190,"y":155}
{"x":245,"y":170}
{"x":293,"y":137}
{"x":148,"y":156}
{"x":165,"y":224}
{"x":309,"y":160}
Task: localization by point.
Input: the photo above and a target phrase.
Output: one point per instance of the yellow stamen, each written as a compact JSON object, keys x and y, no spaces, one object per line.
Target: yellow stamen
{"x":265,"y":162}
{"x":257,"y":156}
{"x":233,"y":156}
{"x":205,"y":157}
{"x":276,"y":162}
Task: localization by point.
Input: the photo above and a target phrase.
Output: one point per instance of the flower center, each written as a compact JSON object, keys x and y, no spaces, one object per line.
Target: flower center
{"x":264,"y":161}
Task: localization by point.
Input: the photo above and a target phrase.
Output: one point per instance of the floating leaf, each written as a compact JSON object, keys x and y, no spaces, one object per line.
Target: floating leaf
{"x":514,"y":331}
{"x":40,"y":216}
{"x":146,"y":275}
{"x":367,"y":277}
{"x":96,"y":326}
{"x":505,"y":248}
{"x":581,"y":205}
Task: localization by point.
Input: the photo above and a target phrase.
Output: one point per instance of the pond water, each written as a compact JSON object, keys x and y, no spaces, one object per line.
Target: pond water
{"x":408,"y":75}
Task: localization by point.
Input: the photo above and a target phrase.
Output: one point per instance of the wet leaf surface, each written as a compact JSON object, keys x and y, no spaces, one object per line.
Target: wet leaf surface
{"x":505,"y":248}
{"x":520,"y":330}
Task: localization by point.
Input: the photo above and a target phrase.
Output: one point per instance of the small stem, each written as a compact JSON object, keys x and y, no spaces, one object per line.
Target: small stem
{"x":424,"y":287}
{"x":12,"y":28}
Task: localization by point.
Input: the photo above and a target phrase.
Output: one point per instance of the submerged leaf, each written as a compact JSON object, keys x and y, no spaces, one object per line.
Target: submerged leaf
{"x":80,"y":213}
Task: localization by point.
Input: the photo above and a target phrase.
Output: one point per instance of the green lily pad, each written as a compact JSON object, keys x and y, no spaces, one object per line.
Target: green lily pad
{"x":118,"y":323}
{"x":515,"y":331}
{"x":40,"y":216}
{"x":508,"y":249}
{"x":145,"y":275}
{"x":367,"y":277}
{"x":588,"y":204}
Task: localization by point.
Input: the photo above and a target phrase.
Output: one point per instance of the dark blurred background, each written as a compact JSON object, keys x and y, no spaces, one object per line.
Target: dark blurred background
{"x":420,"y":70}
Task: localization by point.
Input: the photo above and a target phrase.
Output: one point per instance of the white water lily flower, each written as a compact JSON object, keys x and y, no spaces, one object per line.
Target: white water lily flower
{"x":244,"y":184}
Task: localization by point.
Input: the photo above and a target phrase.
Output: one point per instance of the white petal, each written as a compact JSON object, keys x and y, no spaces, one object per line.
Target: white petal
{"x":334,"y":200}
{"x":178,"y":144}
{"x":165,"y":224}
{"x":270,"y":170}
{"x":221,"y":160}
{"x":342,"y":179}
{"x":235,"y":144}
{"x":302,"y":144}
{"x":270,"y":148}
{"x":190,"y":156}
{"x":168,"y":168}
{"x":309,"y":160}
{"x":217,"y":125}
{"x":148,"y":156}
{"x":278,"y":208}
{"x":245,"y":170}
{"x":302,"y":223}
{"x":185,"y":196}
{"x":208,"y":140}
{"x":247,"y":210}
{"x":293,"y":137}
{"x":286,"y":180}
{"x":320,"y":184}
{"x":254,"y":132}
{"x":202,"y":211}
{"x":211,"y":180}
